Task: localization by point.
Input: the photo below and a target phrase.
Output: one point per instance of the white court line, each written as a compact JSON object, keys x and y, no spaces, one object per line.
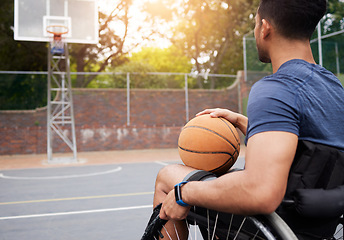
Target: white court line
{"x":77,"y":198}
{"x":61,"y":177}
{"x":76,"y":212}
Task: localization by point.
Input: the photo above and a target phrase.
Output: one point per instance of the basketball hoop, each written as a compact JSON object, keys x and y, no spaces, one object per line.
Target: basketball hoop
{"x":57,"y":42}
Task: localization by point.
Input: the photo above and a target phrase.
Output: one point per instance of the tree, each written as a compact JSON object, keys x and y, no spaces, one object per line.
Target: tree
{"x":109,"y":51}
{"x":118,"y":36}
{"x":18,"y":55}
{"x":20,"y":91}
{"x":210,"y":32}
{"x":169,"y":59}
{"x":165,"y":60}
{"x":334,"y":17}
{"x":144,"y":62}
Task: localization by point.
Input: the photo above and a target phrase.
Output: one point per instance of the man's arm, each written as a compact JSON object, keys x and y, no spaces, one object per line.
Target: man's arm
{"x":258,"y":189}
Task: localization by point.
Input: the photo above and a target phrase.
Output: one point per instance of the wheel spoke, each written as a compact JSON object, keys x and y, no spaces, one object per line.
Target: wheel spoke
{"x":167,"y":233}
{"x":255,"y":235}
{"x":214,"y":225}
{"x":175,"y":229}
{"x":217,"y":216}
{"x":208,"y":224}
{"x":229,"y":227}
{"x":189,"y":229}
{"x":242,"y":223}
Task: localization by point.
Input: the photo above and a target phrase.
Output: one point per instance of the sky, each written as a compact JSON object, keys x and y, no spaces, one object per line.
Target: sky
{"x":137,"y":19}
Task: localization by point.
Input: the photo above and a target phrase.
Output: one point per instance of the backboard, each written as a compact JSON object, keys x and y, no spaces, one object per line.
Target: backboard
{"x":32,"y":17}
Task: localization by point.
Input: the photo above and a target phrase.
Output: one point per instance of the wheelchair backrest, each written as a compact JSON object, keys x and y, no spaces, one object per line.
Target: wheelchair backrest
{"x":314,"y":198}
{"x":316,"y":166}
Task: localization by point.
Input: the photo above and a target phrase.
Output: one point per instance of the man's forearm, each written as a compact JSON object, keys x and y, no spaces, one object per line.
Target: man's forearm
{"x":230,"y":193}
{"x":242,"y":123}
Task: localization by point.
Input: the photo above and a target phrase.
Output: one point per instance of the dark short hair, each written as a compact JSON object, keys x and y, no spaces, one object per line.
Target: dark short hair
{"x":295,"y":19}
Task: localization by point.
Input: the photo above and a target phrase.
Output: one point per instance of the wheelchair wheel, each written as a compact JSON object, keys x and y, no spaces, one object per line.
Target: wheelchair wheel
{"x":215,"y":225}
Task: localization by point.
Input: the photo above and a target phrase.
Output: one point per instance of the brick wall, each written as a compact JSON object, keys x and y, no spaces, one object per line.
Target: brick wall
{"x":156,"y":118}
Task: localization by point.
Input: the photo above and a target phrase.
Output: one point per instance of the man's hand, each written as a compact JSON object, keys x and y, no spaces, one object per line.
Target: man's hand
{"x":171,"y":210}
{"x":238,"y":120}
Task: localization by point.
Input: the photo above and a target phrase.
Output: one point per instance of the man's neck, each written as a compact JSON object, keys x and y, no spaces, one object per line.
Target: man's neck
{"x":284,"y":50}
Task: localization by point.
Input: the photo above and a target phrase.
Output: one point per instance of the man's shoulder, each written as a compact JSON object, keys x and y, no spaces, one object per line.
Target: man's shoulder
{"x":297,"y":73}
{"x":303,"y":70}
{"x":275,"y":82}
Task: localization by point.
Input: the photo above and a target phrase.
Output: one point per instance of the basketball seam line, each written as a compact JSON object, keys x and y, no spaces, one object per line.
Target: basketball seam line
{"x":216,"y":133}
{"x":229,"y":128}
{"x":210,"y":152}
{"x":229,"y":159}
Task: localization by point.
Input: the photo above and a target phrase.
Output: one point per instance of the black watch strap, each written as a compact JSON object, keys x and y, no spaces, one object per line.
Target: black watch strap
{"x":178,"y":194}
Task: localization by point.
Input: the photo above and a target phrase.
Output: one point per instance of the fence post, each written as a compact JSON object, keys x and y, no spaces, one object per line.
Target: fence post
{"x":128,"y":99}
{"x":186,"y":98}
{"x":320,"y":45}
{"x":245,"y":58}
{"x":239,"y":94}
{"x":337,"y":58}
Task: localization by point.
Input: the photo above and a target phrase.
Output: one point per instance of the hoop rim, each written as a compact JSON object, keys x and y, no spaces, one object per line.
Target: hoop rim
{"x":57,"y":33}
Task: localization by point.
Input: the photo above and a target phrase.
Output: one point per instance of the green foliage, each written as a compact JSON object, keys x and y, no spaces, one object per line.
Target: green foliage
{"x":329,"y":53}
{"x":19,"y":92}
{"x":138,"y":77}
{"x":164,"y":59}
{"x":210,"y":82}
{"x":335,"y":16}
{"x":252,"y":60}
{"x":117,"y":39}
{"x":18,"y":55}
{"x":341,"y":78}
{"x":211,"y":33}
{"x":148,"y":60}
{"x":110,"y":50}
{"x":333,"y":21}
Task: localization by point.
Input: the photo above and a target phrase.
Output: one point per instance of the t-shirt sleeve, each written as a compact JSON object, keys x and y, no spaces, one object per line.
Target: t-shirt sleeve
{"x":272,"y":106}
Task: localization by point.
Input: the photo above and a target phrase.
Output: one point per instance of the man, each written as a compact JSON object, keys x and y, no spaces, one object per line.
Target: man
{"x":299,"y":101}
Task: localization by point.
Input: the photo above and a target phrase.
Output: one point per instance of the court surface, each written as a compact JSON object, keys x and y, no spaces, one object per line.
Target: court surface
{"x":97,"y":200}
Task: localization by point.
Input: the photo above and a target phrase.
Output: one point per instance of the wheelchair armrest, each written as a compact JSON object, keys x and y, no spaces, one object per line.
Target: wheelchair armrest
{"x":320,"y":203}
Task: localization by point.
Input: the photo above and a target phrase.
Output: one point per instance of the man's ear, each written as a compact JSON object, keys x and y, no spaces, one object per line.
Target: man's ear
{"x":265,"y":29}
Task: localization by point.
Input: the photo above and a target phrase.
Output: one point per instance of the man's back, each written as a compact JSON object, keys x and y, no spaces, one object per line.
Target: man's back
{"x":301,"y":98}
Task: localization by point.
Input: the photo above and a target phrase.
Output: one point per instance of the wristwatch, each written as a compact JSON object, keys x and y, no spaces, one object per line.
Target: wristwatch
{"x":178,"y":194}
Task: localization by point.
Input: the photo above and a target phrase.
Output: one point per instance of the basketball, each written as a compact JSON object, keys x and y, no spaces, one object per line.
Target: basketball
{"x":210,"y":144}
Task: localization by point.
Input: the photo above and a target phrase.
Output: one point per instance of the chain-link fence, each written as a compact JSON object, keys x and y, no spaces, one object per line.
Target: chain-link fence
{"x":28,"y":90}
{"x":331,"y":54}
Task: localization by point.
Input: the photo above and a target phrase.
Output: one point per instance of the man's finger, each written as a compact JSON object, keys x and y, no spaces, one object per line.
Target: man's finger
{"x":162,"y":214}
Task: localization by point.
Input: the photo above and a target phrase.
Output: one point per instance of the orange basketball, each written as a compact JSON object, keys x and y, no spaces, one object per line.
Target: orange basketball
{"x":210,"y":144}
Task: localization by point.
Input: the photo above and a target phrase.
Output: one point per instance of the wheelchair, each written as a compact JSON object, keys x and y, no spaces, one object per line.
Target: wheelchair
{"x":312,"y":208}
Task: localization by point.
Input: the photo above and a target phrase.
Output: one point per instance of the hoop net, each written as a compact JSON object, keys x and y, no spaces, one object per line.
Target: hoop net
{"x":57,"y":41}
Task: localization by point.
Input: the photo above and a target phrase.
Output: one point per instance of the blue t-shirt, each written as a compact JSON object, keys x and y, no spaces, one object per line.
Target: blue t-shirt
{"x":301,"y":98}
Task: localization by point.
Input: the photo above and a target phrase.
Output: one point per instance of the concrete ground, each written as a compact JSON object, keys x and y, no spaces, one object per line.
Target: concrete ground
{"x":106,"y":195}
